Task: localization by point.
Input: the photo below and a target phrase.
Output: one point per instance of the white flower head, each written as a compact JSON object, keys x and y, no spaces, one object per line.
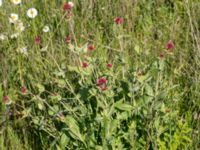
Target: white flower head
{"x":14,"y":36}
{"x":16,"y":2}
{"x":20,"y":26}
{"x":32,"y":13}
{"x":23,"y":50}
{"x":46,"y":29}
{"x":2,"y":37}
{"x":13,"y":17}
{"x":1,"y":2}
{"x":71,"y":4}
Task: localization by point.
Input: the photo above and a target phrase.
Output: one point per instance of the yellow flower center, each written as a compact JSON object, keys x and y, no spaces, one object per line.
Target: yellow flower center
{"x":32,"y":12}
{"x":13,"y":17}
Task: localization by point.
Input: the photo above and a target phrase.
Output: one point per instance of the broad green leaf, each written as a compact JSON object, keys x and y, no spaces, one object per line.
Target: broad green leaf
{"x":122,"y":106}
{"x":74,"y":128}
{"x":63,"y":141}
{"x":143,"y":78}
{"x":149,"y":90}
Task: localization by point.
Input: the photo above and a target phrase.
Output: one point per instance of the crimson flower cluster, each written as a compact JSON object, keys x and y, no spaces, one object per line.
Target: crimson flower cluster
{"x":67,"y":7}
{"x":169,"y":47}
{"x":102,"y":83}
{"x":6,"y":99}
{"x":119,"y":20}
{"x":85,"y":64}
{"x":23,"y":90}
{"x":37,"y":40}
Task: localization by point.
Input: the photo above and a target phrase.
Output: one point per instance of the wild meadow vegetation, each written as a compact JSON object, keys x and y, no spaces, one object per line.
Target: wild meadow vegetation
{"x":99,"y":75}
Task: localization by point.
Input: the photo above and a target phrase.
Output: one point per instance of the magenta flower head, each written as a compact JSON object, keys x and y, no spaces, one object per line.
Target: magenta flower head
{"x":6,"y":100}
{"x":68,"y":6}
{"x":23,"y":90}
{"x":67,"y":39}
{"x":109,"y":65}
{"x":118,"y":20}
{"x":37,"y":40}
{"x":102,"y":83}
{"x":169,"y":46}
{"x":91,"y":47}
{"x":85,"y":64}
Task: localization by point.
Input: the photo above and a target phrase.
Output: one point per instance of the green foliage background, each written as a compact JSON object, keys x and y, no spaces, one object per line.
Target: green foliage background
{"x":150,"y":103}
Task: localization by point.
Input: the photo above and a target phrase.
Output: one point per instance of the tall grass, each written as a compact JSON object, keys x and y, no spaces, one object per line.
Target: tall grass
{"x":151,"y":102}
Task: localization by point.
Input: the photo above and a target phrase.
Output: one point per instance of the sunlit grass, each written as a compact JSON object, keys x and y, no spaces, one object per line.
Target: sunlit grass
{"x":116,"y":74}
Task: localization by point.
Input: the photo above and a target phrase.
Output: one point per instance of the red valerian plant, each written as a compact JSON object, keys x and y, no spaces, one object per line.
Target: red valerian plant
{"x":169,"y":46}
{"x":109,"y":65}
{"x":102,"y":83}
{"x":23,"y":90}
{"x":6,"y":100}
{"x":91,"y":47}
{"x":68,"y":6}
{"x":67,"y":39}
{"x":85,"y":64}
{"x":37,"y":40}
{"x":118,"y":20}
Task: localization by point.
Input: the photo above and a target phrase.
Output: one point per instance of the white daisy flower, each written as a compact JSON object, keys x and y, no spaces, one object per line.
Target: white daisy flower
{"x":13,"y":17}
{"x":14,"y":36}
{"x":1,"y":2}
{"x":2,"y":37}
{"x":71,"y":4}
{"x":46,"y":29}
{"x":32,"y":13}
{"x":23,"y":50}
{"x":16,"y":2}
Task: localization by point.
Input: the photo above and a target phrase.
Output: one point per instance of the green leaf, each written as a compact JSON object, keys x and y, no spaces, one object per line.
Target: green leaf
{"x":56,"y":97}
{"x":40,"y":105}
{"x":73,"y":68}
{"x":74,"y":128}
{"x":40,"y":88}
{"x":187,"y":139}
{"x":137,"y":49}
{"x":58,"y":147}
{"x":122,"y":106}
{"x":143,"y":78}
{"x":149,"y":90}
{"x":63,"y":141}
